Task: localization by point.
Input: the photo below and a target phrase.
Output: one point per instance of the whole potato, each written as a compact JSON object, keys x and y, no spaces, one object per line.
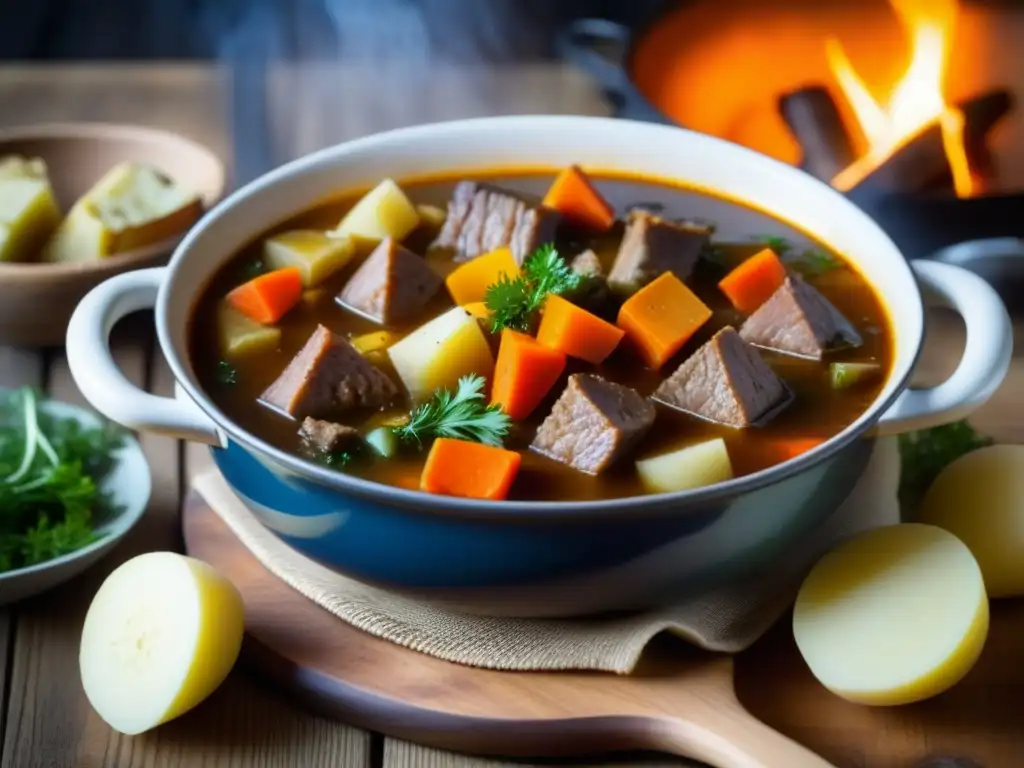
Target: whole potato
{"x":979,"y":498}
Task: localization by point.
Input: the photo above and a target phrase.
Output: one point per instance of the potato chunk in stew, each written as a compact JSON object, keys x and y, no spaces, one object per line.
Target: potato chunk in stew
{"x":436,"y":355}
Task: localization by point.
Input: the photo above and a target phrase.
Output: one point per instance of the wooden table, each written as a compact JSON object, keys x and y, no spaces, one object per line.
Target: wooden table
{"x":46,"y":719}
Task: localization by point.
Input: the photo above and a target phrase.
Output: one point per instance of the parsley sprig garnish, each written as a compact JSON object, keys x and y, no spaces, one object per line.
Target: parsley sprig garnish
{"x":462,"y":415}
{"x":51,"y":472}
{"x":513,"y":302}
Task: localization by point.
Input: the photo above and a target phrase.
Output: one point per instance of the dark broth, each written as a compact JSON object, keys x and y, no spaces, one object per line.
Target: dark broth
{"x":818,"y":411}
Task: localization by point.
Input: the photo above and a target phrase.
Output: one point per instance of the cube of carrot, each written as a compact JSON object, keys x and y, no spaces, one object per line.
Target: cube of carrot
{"x":525,"y":372}
{"x":754,"y":281}
{"x":574,"y":195}
{"x":470,"y":470}
{"x":469,"y":282}
{"x":576,"y":332}
{"x":661,"y":317}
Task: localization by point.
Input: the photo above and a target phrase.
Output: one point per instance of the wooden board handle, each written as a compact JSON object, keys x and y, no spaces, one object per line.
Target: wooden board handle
{"x":731,"y":738}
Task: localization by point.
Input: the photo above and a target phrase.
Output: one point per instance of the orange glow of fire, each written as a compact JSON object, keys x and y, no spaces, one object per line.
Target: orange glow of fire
{"x":916,"y":102}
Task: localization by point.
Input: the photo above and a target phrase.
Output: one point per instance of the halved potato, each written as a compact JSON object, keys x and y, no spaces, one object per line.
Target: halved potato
{"x":28,"y":210}
{"x":161,"y":633}
{"x":132,"y":206}
{"x":695,"y":466}
{"x":382,"y":212}
{"x":440,"y":352}
{"x":315,"y":254}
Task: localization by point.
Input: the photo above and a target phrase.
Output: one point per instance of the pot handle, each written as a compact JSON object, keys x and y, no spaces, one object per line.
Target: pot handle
{"x":987,"y":352}
{"x":102,"y":382}
{"x":581,"y":43}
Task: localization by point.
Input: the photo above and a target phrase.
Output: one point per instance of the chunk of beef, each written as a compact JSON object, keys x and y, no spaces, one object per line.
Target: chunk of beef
{"x":328,"y":436}
{"x":725,"y":381}
{"x":593,"y":424}
{"x":392,"y":285}
{"x":533,"y":227}
{"x":326,"y":377}
{"x":798,"y":320}
{"x":482,"y":217}
{"x":587,"y":264}
{"x":652,"y":246}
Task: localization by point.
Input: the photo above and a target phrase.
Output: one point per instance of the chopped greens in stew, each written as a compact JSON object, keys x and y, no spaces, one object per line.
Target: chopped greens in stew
{"x":540,"y":337}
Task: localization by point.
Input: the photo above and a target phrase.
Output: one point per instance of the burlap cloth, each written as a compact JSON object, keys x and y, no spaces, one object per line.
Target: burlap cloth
{"x":728,"y":619}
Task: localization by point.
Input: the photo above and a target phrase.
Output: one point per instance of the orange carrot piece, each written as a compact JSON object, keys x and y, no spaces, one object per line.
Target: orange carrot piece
{"x":469,"y":282}
{"x":785,"y":449}
{"x":573,"y":194}
{"x":471,"y":470}
{"x":753,"y":282}
{"x":268,"y":297}
{"x":524,"y":373}
{"x":661,"y":317}
{"x":576,"y":332}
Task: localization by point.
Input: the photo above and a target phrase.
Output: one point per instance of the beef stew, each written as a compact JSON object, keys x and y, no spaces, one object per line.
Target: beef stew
{"x":372,"y":334}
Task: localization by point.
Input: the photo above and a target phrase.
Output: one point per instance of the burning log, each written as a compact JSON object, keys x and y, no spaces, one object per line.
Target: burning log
{"x":814,"y":119}
{"x":918,"y":164}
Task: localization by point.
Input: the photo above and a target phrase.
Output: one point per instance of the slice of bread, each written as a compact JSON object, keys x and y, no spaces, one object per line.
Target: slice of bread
{"x":132,"y":206}
{"x":28,"y":210}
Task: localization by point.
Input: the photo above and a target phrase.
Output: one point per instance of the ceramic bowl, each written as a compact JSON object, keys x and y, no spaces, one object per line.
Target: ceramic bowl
{"x":492,"y":556}
{"x":129,"y":485}
{"x":36,"y":300}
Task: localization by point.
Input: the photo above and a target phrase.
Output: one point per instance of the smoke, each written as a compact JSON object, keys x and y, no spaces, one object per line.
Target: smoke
{"x":309,"y":73}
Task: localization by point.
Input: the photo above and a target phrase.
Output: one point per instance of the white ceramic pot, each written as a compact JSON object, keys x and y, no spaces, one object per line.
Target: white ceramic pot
{"x":439,"y":545}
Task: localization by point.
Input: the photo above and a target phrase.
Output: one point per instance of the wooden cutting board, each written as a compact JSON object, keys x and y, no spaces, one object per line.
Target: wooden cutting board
{"x":680,"y":700}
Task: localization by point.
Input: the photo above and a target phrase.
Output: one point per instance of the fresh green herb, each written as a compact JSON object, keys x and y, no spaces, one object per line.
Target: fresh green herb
{"x":813,"y":262}
{"x":226,"y":373}
{"x":846,"y":375}
{"x":809,"y":262}
{"x":51,"y":470}
{"x":513,"y":302}
{"x":780,"y":245}
{"x":252,"y":269}
{"x":463,"y":416}
{"x":713,"y":252}
{"x":925,"y":453}
{"x":333,"y":459}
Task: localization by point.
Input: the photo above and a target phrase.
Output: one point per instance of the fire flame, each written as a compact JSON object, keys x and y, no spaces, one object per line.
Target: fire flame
{"x":916,"y":102}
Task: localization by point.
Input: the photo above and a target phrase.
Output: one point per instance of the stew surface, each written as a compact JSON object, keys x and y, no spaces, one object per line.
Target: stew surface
{"x":240,"y":347}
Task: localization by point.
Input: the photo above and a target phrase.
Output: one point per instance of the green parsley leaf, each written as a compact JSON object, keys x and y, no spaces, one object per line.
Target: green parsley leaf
{"x":510,"y":301}
{"x":252,"y":269}
{"x":51,"y":473}
{"x":462,"y":415}
{"x":226,"y":373}
{"x":513,"y":302}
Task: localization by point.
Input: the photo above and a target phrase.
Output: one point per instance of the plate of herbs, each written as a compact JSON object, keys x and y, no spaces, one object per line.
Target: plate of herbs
{"x":71,"y":486}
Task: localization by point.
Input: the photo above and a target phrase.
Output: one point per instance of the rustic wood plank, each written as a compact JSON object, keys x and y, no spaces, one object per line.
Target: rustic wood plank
{"x":186,"y":98}
{"x":18,"y":367}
